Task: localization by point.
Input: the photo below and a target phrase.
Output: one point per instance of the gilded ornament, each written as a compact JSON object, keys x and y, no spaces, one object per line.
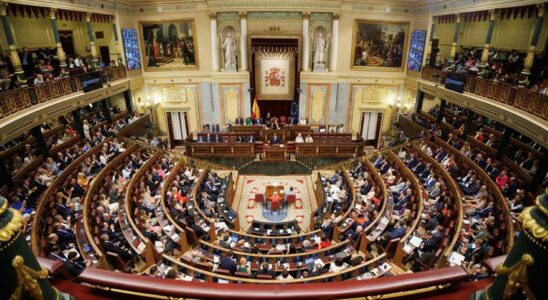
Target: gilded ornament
{"x":13,"y":226}
{"x":27,"y":280}
{"x":517,"y":278}
{"x":529,"y":223}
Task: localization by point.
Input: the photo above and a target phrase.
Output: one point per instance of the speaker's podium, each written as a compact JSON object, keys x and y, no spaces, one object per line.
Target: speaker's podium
{"x":274,"y":152}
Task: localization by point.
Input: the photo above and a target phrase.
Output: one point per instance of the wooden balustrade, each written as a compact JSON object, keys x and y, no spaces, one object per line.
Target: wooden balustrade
{"x":12,"y":101}
{"x":518,"y":97}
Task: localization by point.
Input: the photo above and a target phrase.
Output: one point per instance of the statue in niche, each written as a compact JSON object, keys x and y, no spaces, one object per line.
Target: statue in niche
{"x":230,"y":49}
{"x":320,"y":53}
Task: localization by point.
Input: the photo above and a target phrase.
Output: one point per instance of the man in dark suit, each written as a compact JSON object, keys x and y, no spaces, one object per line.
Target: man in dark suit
{"x":251,"y":139}
{"x":73,"y":265}
{"x":259,"y":121}
{"x":225,"y":242}
{"x":265,"y":270}
{"x":480,"y":161}
{"x":227,"y":263}
{"x":111,"y":247}
{"x":275,"y":139}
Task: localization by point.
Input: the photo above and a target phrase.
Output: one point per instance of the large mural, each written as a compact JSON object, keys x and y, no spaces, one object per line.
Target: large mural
{"x":169,"y":45}
{"x":378,"y":44}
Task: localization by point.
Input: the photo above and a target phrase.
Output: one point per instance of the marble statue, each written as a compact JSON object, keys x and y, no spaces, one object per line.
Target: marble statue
{"x":320,"y":50}
{"x":230,"y":49}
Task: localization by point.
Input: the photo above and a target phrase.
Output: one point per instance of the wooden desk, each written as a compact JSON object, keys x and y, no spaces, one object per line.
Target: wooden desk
{"x":274,"y":153}
{"x":270,"y":189}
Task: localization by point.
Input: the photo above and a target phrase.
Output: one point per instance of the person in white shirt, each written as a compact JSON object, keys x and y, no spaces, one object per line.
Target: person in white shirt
{"x":299,"y":139}
{"x":340,"y":129}
{"x":338,"y":265}
{"x":302,"y":121}
{"x":39,"y":79}
{"x":309,"y":139}
{"x":285,"y":276}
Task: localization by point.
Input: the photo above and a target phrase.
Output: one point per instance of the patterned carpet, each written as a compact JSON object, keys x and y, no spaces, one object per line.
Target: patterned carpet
{"x":248,"y":186}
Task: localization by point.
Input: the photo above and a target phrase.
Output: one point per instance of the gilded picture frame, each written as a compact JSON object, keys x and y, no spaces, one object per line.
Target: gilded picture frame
{"x":169,"y":45}
{"x":382,"y":44}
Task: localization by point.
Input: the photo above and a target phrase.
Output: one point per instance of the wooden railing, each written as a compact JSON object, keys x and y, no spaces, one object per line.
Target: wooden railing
{"x":518,"y":97}
{"x":408,"y":284}
{"x":16,"y":100}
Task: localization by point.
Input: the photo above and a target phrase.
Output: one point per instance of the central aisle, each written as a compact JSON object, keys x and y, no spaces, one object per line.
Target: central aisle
{"x":249,"y":210}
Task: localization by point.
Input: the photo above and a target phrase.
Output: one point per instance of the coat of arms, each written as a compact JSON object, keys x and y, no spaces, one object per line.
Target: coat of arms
{"x":274,"y":77}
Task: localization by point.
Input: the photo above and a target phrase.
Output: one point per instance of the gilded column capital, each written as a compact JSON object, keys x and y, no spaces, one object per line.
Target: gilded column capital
{"x":114,"y":19}
{"x":336,"y":16}
{"x":306,"y":14}
{"x":540,"y":8}
{"x":243,"y":14}
{"x":492,"y":14}
{"x":3,"y":8}
{"x":531,"y":218}
{"x":458,"y":18}
{"x":11,"y":224}
{"x":88,"y":17}
{"x":213,"y":15}
{"x":53,"y":13}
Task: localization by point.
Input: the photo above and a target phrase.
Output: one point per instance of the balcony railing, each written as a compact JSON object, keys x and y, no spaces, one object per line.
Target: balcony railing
{"x":16,"y":100}
{"x":518,"y":97}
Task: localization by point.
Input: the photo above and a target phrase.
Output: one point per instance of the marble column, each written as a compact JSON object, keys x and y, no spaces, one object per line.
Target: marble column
{"x":214,"y":42}
{"x":490,"y":28}
{"x":432,"y":30}
{"x":306,"y":42}
{"x":504,"y":142}
{"x":12,"y":50}
{"x":58,"y":46}
{"x":334,"y":44}
{"x":91,"y":37}
{"x":41,"y":145}
{"x":243,"y":41}
{"x":441,"y":112}
{"x":116,"y":40}
{"x":455,"y":39}
{"x":129,"y":101}
{"x":106,"y":110}
{"x":535,"y":34}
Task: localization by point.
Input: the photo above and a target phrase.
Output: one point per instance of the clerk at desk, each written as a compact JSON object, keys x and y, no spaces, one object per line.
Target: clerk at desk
{"x":275,"y":139}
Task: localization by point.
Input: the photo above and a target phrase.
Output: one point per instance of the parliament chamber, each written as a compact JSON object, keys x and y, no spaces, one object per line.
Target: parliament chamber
{"x":257,"y":149}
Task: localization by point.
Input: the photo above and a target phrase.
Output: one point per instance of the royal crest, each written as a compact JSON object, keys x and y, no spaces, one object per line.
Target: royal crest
{"x":274,"y":77}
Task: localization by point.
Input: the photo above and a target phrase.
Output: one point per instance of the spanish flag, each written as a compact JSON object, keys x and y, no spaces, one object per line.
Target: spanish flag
{"x":255,"y":110}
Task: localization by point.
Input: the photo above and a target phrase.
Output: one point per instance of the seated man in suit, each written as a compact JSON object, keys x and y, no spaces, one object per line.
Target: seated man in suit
{"x":225,"y":242}
{"x":259,"y":121}
{"x":265,"y":270}
{"x":251,"y":139}
{"x":74,"y":265}
{"x":275,"y":139}
{"x":227,"y":263}
{"x":111,"y":247}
